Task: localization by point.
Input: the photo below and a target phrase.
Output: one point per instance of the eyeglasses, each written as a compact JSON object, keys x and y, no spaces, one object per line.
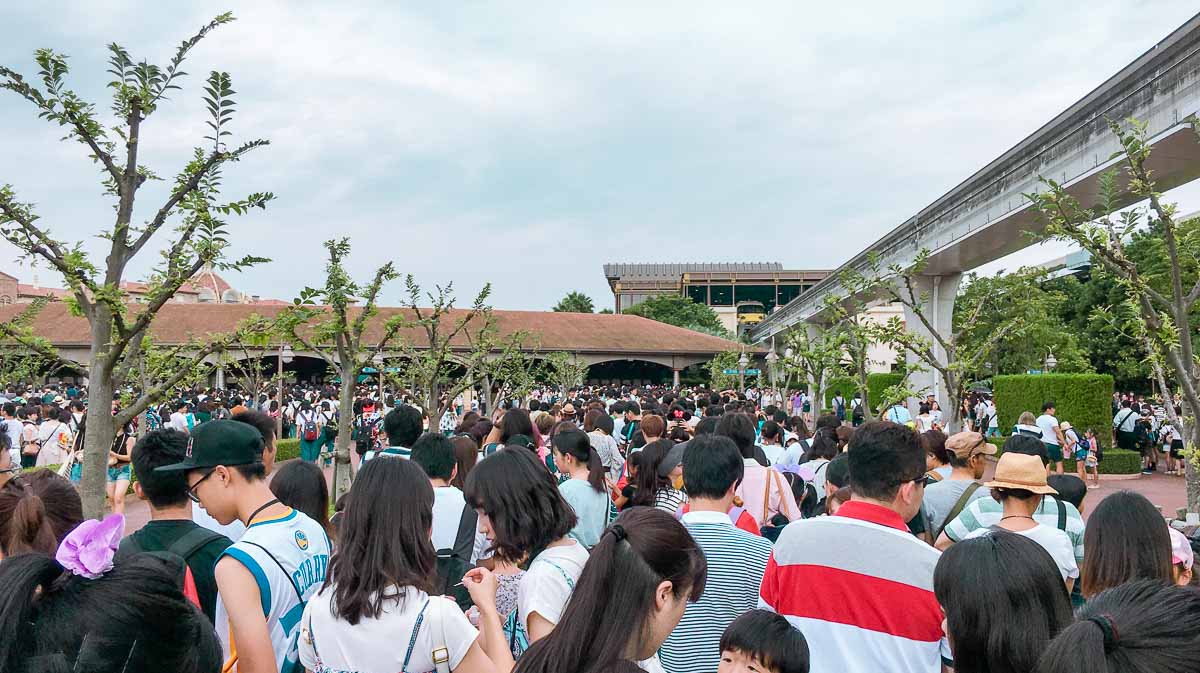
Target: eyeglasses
{"x":191,"y":490}
{"x":10,"y":470}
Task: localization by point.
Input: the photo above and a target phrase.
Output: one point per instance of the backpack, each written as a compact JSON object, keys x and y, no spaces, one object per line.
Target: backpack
{"x":839,"y":407}
{"x":180,"y":551}
{"x":364,"y":434}
{"x":331,"y":429}
{"x":454,"y":562}
{"x":310,"y":429}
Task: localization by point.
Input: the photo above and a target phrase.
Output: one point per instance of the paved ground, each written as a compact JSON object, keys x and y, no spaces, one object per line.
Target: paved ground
{"x":1162,"y":490}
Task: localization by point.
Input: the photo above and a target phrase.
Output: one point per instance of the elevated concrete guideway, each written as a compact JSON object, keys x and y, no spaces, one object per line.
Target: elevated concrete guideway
{"x":986,"y":216}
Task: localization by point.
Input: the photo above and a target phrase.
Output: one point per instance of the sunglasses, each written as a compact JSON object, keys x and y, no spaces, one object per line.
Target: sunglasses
{"x":191,"y":490}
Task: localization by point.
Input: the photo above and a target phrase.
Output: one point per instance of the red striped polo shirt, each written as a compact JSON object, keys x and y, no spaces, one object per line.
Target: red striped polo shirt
{"x":859,"y":587}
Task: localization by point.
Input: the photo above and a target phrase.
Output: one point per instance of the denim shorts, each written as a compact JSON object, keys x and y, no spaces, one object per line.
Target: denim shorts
{"x":119,"y":473}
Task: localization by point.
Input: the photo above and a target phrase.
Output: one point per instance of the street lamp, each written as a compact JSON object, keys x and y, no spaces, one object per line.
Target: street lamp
{"x":743,"y":362}
{"x":1051,"y":362}
{"x":378,"y":360}
{"x":285,"y":355}
{"x":772,"y":365}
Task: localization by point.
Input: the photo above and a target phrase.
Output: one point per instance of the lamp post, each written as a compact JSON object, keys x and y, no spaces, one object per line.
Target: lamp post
{"x":1051,"y":362}
{"x":743,"y":362}
{"x":377,"y":359}
{"x":773,"y":365}
{"x":285,"y":355}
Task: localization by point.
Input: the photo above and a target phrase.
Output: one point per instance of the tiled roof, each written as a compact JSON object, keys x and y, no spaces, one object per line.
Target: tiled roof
{"x":574,"y":332}
{"x":36,"y":291}
{"x":674,"y":271}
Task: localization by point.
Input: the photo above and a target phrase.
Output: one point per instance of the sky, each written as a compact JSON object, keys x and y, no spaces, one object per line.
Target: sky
{"x":527,"y":144}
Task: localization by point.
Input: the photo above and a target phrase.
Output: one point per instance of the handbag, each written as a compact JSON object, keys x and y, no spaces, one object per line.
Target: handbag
{"x":771,"y":529}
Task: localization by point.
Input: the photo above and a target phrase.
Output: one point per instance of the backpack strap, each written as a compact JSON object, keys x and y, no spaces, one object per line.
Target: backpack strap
{"x":1062,"y":515}
{"x":299,"y":596}
{"x":192,"y":542}
{"x":464,"y":541}
{"x":959,"y":506}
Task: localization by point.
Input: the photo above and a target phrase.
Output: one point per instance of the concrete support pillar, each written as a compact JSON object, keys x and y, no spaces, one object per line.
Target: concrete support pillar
{"x":936,"y":296}
{"x":220,"y":378}
{"x":675,"y":378}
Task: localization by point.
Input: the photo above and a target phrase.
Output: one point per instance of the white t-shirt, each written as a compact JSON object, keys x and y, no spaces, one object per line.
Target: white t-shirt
{"x":1054,"y":541}
{"x":233,"y":530}
{"x":13,"y":427}
{"x":380,"y":644}
{"x":1048,"y":423}
{"x":448,"y":505}
{"x":773,"y":453}
{"x":818,"y":480}
{"x":545,"y":588}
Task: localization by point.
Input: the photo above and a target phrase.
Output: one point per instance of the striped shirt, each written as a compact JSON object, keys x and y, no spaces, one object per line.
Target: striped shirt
{"x":397,"y":451}
{"x":986,"y":512}
{"x":736,"y":561}
{"x":860,"y":589}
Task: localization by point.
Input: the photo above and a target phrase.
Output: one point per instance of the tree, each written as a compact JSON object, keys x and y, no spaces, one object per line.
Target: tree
{"x":1165,"y":292}
{"x":565,"y":370}
{"x":575,"y":302}
{"x":335,"y":331}
{"x":680,"y":312}
{"x":605,"y":311}
{"x":814,"y":357}
{"x":856,"y":334}
{"x":509,"y":371}
{"x":986,"y":304}
{"x":247,"y":361}
{"x":451,"y":357}
{"x":200,"y":238}
{"x":718,"y":379}
{"x":959,"y":356}
{"x":25,"y":356}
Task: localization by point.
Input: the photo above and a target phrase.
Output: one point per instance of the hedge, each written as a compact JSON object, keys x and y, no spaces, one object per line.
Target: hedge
{"x":876,"y":384}
{"x":287,"y":449}
{"x":1116,"y":461}
{"x":1083,"y":399}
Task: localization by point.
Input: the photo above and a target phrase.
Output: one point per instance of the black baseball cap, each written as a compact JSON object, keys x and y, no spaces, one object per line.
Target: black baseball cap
{"x":220,"y":443}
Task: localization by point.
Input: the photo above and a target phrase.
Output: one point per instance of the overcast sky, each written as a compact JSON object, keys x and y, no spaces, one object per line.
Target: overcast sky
{"x":526,"y":144}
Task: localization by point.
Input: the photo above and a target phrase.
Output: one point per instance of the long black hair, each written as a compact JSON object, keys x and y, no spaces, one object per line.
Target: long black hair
{"x":644,"y":547}
{"x":648,"y":482}
{"x":1004,"y":599}
{"x":301,"y":485}
{"x":132,"y":619}
{"x":521,"y":498}
{"x":1143,"y":626}
{"x":383,"y":539}
{"x":1125,"y":540}
{"x":515,"y":422}
{"x":578,"y":445}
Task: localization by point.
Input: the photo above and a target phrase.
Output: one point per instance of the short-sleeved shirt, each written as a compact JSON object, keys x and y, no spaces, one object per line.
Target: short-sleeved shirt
{"x":157,"y":536}
{"x":381,"y":643}
{"x":1054,"y":541}
{"x":986,"y":512}
{"x":547,"y":585}
{"x":591,"y":510}
{"x":448,"y":506}
{"x":940,"y":498}
{"x":1048,"y":423}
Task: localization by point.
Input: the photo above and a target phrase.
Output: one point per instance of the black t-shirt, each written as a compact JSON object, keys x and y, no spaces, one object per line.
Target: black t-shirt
{"x":157,"y":536}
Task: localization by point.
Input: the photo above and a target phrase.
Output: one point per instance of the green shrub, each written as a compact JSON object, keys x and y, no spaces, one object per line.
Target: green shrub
{"x":840,"y":384}
{"x":877,"y":383}
{"x":1116,"y":461}
{"x":287,"y":449}
{"x":1083,"y":399}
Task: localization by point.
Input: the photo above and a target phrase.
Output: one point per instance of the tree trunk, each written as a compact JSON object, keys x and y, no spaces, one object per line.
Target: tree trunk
{"x":342,"y":478}
{"x":100,"y":431}
{"x":1191,"y":475}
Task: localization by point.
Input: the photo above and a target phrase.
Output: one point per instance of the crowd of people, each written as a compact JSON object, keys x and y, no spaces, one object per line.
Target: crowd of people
{"x":607,"y":529}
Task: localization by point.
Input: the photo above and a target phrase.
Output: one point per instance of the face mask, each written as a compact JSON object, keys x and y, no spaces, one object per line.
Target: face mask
{"x":677,"y":483}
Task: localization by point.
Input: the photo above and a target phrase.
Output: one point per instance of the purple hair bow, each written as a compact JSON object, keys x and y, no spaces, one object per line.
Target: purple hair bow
{"x":88,"y":550}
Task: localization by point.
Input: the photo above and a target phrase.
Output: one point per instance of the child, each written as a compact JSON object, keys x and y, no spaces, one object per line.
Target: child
{"x":761,"y":641}
{"x":1091,"y":460}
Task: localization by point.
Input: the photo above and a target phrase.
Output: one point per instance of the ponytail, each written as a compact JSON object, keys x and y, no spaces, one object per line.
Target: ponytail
{"x":28,"y":530}
{"x":23,"y":576}
{"x":576,"y":444}
{"x":37,"y":510}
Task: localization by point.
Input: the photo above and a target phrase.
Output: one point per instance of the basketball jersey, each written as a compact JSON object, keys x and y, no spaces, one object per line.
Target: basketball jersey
{"x":287,"y":556}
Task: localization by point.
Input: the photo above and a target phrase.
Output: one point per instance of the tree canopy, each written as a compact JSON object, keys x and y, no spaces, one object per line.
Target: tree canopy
{"x":575,"y":302}
{"x":681,"y":312}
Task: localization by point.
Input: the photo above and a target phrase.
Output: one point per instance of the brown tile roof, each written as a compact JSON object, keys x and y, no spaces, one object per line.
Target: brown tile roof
{"x":574,"y":332}
{"x":24,"y":290}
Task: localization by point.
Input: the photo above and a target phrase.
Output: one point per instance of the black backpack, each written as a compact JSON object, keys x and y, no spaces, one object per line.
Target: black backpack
{"x":454,"y":562}
{"x":178,"y":552}
{"x":364,"y":434}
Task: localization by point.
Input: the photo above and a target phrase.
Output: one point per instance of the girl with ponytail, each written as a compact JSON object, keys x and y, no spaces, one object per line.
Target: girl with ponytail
{"x":584,"y":489}
{"x":639,"y":578}
{"x":77,"y":612}
{"x":37,"y":510}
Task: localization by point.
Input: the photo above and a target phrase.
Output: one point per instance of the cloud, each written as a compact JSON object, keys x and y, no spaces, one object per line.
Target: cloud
{"x":526,"y":144}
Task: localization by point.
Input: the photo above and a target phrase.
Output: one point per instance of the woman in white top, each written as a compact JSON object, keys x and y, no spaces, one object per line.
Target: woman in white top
{"x":55,"y":438}
{"x":375,"y":612}
{"x":1019,"y":485}
{"x":632,"y":594}
{"x":527,"y":520}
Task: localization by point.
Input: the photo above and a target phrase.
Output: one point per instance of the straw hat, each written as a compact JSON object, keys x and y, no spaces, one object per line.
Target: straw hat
{"x":1021,"y":471}
{"x":1065,"y":425}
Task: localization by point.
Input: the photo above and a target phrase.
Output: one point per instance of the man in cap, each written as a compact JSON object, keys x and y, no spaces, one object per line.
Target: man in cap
{"x":265,"y":578}
{"x":945,"y":499}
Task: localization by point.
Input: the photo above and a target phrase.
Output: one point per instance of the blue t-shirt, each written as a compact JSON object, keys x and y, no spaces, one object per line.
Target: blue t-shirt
{"x":591,"y":507}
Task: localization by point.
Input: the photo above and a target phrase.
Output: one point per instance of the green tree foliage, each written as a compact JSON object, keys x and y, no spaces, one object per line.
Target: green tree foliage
{"x":575,"y":302}
{"x":717,"y":377}
{"x":986,"y":304}
{"x":605,"y":311}
{"x":680,"y":312}
{"x":565,"y":370}
{"x":191,"y":218}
